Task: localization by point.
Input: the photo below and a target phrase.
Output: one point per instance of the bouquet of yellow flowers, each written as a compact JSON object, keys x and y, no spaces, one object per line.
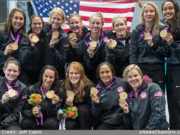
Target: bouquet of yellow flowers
{"x":35,"y":99}
{"x":71,"y":112}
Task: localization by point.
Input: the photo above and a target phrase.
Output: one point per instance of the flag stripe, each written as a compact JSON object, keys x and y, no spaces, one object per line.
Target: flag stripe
{"x":108,"y":9}
{"x":105,"y":10}
{"x":108,"y":15}
{"x":107,"y":4}
{"x":108,"y":20}
{"x":117,"y":1}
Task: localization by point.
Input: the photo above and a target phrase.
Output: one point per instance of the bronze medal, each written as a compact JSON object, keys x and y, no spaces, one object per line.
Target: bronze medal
{"x":163,"y":33}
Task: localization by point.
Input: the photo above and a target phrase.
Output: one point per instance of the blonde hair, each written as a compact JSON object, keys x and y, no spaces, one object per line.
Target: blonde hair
{"x":130,"y":68}
{"x":114,"y":20}
{"x":98,"y":14}
{"x":155,"y":29}
{"x":57,"y":10}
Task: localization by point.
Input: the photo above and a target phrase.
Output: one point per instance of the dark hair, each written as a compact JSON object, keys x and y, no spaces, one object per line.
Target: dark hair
{"x":176,"y":22}
{"x":74,"y":15}
{"x":32,"y":17}
{"x":12,"y":60}
{"x":8,"y":25}
{"x":176,"y":6}
{"x":105,"y":63}
{"x":50,"y":67}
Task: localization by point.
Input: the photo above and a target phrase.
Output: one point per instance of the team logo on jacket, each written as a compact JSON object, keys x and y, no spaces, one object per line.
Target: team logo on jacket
{"x":120,"y":89}
{"x":143,"y":95}
{"x":158,"y":94}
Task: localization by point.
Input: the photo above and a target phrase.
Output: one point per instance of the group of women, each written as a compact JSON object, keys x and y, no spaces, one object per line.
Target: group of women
{"x":89,"y":78}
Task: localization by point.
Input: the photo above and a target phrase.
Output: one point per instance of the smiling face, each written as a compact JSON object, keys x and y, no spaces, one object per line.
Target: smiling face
{"x":74,"y":76}
{"x":149,"y":13}
{"x":17,"y":21}
{"x":134,"y":78}
{"x":36,"y":25}
{"x":120,"y":26}
{"x":105,"y":74}
{"x":168,"y":11}
{"x":11,"y":71}
{"x":96,"y":24}
{"x":56,"y":21}
{"x":48,"y":78}
{"x":75,"y":24}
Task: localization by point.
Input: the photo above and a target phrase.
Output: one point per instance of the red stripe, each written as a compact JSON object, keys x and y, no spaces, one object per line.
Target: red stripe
{"x":112,"y":1}
{"x":106,"y":10}
{"x":107,"y":20}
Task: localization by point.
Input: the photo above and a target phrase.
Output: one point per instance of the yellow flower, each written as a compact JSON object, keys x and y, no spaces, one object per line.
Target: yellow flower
{"x":71,"y":112}
{"x":35,"y":99}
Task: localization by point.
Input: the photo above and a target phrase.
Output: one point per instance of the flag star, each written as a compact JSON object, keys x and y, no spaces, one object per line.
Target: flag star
{"x":71,"y":1}
{"x":75,"y":5}
{"x":62,"y":7}
{"x":66,"y":4}
{"x":70,"y":8}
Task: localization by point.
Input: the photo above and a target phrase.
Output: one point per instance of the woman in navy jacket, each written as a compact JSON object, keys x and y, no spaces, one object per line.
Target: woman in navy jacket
{"x":75,"y":37}
{"x":146,"y":101}
{"x":147,"y":48}
{"x":117,"y":46}
{"x":12,"y":95}
{"x":107,"y":111}
{"x":34,"y":58}
{"x":44,"y":114}
{"x":93,"y":46}
{"x":13,"y":41}
{"x":171,"y":13}
{"x":57,"y":41}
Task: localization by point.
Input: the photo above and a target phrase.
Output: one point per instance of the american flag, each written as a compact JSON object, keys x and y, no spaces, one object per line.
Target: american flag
{"x":109,"y":9}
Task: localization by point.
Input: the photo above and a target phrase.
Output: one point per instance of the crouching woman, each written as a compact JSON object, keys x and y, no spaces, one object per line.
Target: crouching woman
{"x":146,"y":101}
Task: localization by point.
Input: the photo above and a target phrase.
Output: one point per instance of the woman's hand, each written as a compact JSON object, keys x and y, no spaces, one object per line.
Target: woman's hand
{"x":72,"y":39}
{"x":55,"y":99}
{"x":111,"y":44}
{"x":54,"y":38}
{"x":169,"y":38}
{"x":122,"y":101}
{"x":5,"y":98}
{"x":33,"y":38}
{"x":91,"y":50}
{"x":148,"y":38}
{"x":70,"y":97}
{"x":94,"y":95}
{"x":10,"y":48}
{"x":69,"y":101}
{"x":124,"y":106}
